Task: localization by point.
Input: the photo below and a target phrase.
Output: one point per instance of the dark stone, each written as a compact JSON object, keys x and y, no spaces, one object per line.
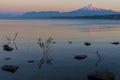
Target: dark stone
{"x":7,"y":58}
{"x":70,"y":42}
{"x":80,"y":57}
{"x":54,"y":42}
{"x":87,"y":43}
{"x":7,"y":48}
{"x":101,"y":75}
{"x":115,"y":43}
{"x":10,"y":68}
{"x":31,"y":61}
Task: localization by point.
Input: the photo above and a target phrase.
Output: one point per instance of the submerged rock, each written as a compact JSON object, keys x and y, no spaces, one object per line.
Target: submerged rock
{"x":10,"y":68}
{"x":8,"y":58}
{"x":101,"y":75}
{"x":30,"y":61}
{"x":87,"y":43}
{"x":7,"y":48}
{"x":80,"y":57}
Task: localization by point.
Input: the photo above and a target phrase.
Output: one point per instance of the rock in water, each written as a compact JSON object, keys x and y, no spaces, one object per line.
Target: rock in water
{"x":7,"y":48}
{"x":8,"y":58}
{"x":10,"y":68}
{"x":80,"y":57}
{"x":70,"y":42}
{"x":101,"y":75}
{"x":5,"y":45}
{"x":87,"y":44}
{"x":115,"y":43}
{"x":54,"y":42}
{"x":30,"y":61}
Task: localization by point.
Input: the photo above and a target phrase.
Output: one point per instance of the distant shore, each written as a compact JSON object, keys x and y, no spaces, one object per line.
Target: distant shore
{"x":116,"y":17}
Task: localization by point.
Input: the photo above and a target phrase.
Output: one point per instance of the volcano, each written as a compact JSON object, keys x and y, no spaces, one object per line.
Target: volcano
{"x":90,"y":10}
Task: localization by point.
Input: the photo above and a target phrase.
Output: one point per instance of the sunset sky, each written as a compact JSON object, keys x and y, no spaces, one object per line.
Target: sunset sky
{"x":21,"y":6}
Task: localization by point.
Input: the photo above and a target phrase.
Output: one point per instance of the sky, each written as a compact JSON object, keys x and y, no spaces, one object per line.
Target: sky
{"x":22,"y":6}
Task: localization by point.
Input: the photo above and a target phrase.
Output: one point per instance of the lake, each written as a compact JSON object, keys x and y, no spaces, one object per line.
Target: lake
{"x":59,"y":62}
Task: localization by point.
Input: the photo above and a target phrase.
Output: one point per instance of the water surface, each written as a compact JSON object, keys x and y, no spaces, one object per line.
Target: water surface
{"x":63,"y":67}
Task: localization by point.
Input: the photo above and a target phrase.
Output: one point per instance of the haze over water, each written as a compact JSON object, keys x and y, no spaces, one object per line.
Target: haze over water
{"x":100,"y":33}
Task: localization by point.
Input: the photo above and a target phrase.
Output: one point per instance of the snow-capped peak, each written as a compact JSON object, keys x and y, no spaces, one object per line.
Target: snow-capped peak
{"x":92,"y":7}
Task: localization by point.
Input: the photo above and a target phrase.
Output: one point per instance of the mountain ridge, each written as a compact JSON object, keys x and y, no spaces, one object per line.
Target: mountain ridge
{"x":90,"y":10}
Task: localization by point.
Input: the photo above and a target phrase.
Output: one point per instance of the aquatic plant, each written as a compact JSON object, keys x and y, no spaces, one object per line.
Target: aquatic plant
{"x":7,"y":46}
{"x":15,"y":36}
{"x":45,"y":46}
{"x":13,"y":39}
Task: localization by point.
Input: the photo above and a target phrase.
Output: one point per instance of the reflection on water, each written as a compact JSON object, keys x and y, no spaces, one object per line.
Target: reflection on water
{"x":100,"y":58}
{"x":97,"y":37}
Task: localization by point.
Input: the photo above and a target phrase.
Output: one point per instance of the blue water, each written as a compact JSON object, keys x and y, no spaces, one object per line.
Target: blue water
{"x":100,"y":33}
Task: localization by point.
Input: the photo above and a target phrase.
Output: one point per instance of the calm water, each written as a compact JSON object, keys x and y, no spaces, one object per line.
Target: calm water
{"x":63,"y":66}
